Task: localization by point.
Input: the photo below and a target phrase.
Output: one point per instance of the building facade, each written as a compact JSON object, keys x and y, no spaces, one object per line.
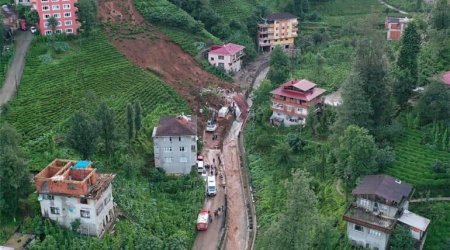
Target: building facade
{"x":175,"y":144}
{"x":70,"y":190}
{"x":291,"y":101}
{"x":227,"y":57}
{"x":63,"y":10}
{"x":279,"y":29}
{"x":381,"y":204}
{"x":23,"y":2}
{"x":395,"y":27}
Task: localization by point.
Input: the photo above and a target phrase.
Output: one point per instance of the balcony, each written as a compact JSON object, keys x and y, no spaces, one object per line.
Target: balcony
{"x":264,"y":42}
{"x":265,"y":31}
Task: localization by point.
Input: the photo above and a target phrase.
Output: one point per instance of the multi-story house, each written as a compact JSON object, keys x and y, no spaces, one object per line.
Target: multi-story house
{"x":23,"y":2}
{"x":227,"y":56}
{"x":291,"y":101}
{"x":395,"y":27}
{"x":382,"y":204}
{"x":279,"y":29}
{"x":175,"y":144}
{"x":70,"y":190}
{"x":63,"y":10}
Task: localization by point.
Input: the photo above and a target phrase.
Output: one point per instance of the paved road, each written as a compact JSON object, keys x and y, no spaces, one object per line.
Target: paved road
{"x":14,"y":75}
{"x":393,"y":8}
{"x":430,"y":199}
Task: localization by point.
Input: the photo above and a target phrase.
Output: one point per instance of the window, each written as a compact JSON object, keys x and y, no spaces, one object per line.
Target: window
{"x":183,"y":159}
{"x":212,"y":58}
{"x":221,"y":65}
{"x":375,"y":232}
{"x":364,"y":203}
{"x":45,"y":7}
{"x":46,"y":24}
{"x":221,"y":57}
{"x":100,"y":208}
{"x":289,"y":107}
{"x":58,"y":31}
{"x":193,"y":148}
{"x":57,"y":15}
{"x":299,"y":110}
{"x":179,"y":138}
{"x":66,"y":6}
{"x":54,"y":210}
{"x":55,"y":0}
{"x":69,"y":31}
{"x":359,"y":228}
{"x":168,"y":160}
{"x":68,"y":22}
{"x":55,"y":7}
{"x":48,"y":32}
{"x":170,"y":138}
{"x":182,"y":149}
{"x":167,"y":149}
{"x":58,"y":23}
{"x":67,"y":14}
{"x":85,"y":213}
{"x":48,"y":197}
{"x":46,"y":16}
{"x":107,"y":199}
{"x":44,"y":1}
{"x":83,"y":201}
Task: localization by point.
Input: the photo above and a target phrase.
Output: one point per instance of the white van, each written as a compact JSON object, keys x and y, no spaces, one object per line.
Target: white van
{"x":211,"y":189}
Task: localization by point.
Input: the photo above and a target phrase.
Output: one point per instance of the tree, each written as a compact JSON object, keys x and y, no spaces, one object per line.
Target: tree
{"x":356,"y":108}
{"x":355,"y":154}
{"x":371,"y":67}
{"x":407,"y":64}
{"x":282,"y":154}
{"x":87,"y":15}
{"x":401,"y":239}
{"x":106,"y":126}
{"x":295,"y":142}
{"x":440,"y":15}
{"x":295,"y":227}
{"x":130,"y":121}
{"x":82,"y":135}
{"x":14,"y":176}
{"x":137,"y":116}
{"x":52,"y":22}
{"x":279,"y":66}
{"x":434,"y":104}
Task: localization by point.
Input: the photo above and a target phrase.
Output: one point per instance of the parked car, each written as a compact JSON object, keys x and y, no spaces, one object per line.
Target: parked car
{"x":211,"y":126}
{"x":200,"y":164}
{"x":33,"y":29}
{"x":223,"y":112}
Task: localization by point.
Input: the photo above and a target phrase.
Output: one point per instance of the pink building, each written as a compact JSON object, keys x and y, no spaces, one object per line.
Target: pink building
{"x":63,"y":10}
{"x":227,"y":56}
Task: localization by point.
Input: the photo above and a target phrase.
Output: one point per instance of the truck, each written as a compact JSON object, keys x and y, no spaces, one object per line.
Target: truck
{"x":211,"y":188}
{"x":23,"y":24}
{"x":202,"y":220}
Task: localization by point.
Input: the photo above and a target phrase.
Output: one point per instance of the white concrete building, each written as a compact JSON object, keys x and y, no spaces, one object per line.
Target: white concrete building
{"x":175,"y":144}
{"x":227,"y":56}
{"x":70,"y":190}
{"x":23,"y":2}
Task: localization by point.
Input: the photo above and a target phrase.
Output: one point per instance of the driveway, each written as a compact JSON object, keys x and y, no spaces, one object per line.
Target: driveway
{"x":14,"y":75}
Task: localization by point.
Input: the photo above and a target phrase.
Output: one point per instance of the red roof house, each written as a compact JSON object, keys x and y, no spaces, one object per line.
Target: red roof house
{"x":446,"y":78}
{"x":290,"y":101}
{"x":227,"y":56}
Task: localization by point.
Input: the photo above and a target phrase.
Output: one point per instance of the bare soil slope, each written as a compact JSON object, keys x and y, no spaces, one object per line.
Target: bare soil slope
{"x":148,"y":48}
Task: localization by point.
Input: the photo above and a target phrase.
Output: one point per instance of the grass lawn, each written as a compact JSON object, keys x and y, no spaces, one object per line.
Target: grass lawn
{"x":438,"y":237}
{"x":413,"y":162}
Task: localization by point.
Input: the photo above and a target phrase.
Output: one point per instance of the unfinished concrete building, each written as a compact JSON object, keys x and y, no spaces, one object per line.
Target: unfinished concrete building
{"x":70,"y":190}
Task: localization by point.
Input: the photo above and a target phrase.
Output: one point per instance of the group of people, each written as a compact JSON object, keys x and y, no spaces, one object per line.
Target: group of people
{"x":217,"y":213}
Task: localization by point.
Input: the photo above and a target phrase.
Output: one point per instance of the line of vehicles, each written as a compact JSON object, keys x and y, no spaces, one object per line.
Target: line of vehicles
{"x":203,"y":218}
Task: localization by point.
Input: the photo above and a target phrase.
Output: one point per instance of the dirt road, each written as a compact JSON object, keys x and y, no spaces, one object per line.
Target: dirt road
{"x":14,"y":75}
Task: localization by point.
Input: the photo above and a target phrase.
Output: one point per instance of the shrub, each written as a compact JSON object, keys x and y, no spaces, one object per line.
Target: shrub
{"x":439,"y":167}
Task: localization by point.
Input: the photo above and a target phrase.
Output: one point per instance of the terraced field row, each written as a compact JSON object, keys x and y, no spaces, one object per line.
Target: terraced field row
{"x":414,"y":164}
{"x":233,"y":9}
{"x":50,"y":93}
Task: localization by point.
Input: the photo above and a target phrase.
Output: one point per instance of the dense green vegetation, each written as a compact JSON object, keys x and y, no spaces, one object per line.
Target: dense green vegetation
{"x":439,"y":232}
{"x":67,"y":76}
{"x":414,"y":162}
{"x":59,"y":84}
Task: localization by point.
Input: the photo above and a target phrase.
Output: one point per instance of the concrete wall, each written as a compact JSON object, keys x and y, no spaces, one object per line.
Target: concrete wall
{"x":366,"y":238}
{"x":69,"y":211}
{"x":286,"y":118}
{"x":175,"y":165}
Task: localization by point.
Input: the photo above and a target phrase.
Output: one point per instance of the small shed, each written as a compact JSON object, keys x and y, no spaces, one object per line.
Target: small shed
{"x":223,"y":112}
